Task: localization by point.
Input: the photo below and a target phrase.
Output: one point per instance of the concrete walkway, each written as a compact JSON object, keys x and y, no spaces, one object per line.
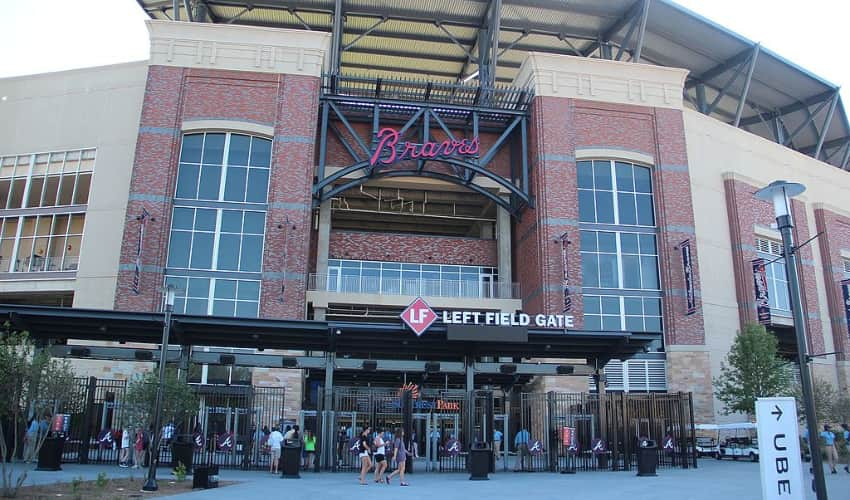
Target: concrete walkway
{"x":713,"y":480}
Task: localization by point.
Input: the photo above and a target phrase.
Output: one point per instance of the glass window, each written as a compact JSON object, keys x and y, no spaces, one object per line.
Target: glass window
{"x":624,"y":313}
{"x":215,"y":296}
{"x":601,"y":182}
{"x":777,"y":278}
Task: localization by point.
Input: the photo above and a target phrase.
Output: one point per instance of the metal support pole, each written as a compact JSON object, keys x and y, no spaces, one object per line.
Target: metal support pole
{"x":701,"y":103}
{"x":175,"y":6}
{"x":328,"y":424}
{"x":746,"y":90}
{"x":785,"y":226}
{"x":336,"y":38}
{"x":151,"y":485}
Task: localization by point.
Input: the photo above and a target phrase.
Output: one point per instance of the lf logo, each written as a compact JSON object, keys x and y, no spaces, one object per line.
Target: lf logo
{"x":419,"y":316}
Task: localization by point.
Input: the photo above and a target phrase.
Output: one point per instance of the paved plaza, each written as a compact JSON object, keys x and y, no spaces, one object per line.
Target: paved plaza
{"x":713,"y":480}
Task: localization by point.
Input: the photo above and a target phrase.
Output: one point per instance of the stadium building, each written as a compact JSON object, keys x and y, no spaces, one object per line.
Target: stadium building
{"x":510,"y":197}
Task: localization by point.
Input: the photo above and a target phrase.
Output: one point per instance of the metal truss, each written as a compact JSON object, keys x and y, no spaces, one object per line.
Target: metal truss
{"x":457,"y":111}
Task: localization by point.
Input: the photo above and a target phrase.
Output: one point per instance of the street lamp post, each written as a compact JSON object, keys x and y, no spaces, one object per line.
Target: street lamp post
{"x":779,"y":192}
{"x":151,"y":485}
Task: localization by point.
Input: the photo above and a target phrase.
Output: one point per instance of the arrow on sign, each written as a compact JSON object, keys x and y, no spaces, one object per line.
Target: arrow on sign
{"x":777,"y":412}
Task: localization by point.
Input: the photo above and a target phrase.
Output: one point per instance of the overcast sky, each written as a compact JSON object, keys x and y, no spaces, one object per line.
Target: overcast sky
{"x":51,"y":35}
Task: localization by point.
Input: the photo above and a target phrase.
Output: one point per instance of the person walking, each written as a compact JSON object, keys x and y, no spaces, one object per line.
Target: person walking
{"x":521,"y":446}
{"x":829,"y":447}
{"x":847,"y":445}
{"x":274,"y":442}
{"x":380,"y":456}
{"x":31,"y":438}
{"x":497,"y":442}
{"x":365,"y":452}
{"x":124,"y":459}
{"x":399,"y":457}
{"x":139,"y":448}
{"x":310,"y":449}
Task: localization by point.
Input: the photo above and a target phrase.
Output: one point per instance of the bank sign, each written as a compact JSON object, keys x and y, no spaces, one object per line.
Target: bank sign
{"x":419,"y":317}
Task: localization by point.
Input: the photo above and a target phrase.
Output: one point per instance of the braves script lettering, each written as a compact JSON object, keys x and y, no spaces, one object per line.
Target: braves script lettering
{"x":389,"y":150}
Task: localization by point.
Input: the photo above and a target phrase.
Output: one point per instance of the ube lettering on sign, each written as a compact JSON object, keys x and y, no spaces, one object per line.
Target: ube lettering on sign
{"x":845,"y":289}
{"x":687,"y":264}
{"x":419,"y":316}
{"x":779,"y":449}
{"x":762,"y":298}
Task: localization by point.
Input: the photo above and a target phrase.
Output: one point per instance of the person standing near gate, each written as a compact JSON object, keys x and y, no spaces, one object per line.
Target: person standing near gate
{"x":365,"y":450}
{"x":310,"y":449}
{"x":435,"y":445}
{"x":139,"y":448}
{"x":521,"y":447}
{"x":124,"y":460}
{"x":497,"y":442}
{"x":847,"y":445}
{"x":274,"y":441}
{"x":829,"y":447}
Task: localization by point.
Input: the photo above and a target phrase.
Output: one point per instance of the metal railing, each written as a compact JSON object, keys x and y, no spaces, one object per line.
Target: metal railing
{"x":37,"y":264}
{"x":417,"y":287}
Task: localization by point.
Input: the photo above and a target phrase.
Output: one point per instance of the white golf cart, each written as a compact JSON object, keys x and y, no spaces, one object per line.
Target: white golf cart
{"x":735,"y":441}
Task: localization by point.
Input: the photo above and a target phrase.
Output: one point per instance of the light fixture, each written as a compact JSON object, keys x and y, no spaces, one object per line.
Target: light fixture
{"x":471,"y":76}
{"x":779,"y":193}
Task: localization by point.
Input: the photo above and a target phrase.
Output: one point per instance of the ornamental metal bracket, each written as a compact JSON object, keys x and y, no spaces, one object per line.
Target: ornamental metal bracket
{"x":446,"y":131}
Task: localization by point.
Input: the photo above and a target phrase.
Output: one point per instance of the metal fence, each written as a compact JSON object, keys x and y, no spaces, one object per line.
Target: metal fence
{"x":226,"y":430}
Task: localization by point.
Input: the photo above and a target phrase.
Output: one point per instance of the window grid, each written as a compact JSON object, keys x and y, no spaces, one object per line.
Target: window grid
{"x":634,"y":375}
{"x":614,"y":192}
{"x":622,"y":312}
{"x":445,"y":280}
{"x":619,"y":260}
{"x":215,"y":296}
{"x":777,"y":278}
{"x":846,"y":263}
{"x":41,"y":243}
{"x":46,"y":179}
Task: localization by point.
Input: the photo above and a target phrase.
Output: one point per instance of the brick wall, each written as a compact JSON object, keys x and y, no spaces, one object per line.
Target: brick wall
{"x":289,"y":103}
{"x":395,"y":247}
{"x":559,"y":127}
{"x":745,"y":213}
{"x":835,"y":237}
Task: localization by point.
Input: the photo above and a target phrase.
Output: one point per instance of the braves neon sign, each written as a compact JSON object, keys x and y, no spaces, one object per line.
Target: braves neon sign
{"x":389,"y":149}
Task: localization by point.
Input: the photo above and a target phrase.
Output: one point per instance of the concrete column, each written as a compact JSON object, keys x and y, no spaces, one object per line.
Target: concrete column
{"x":503,"y":238}
{"x":323,"y":244}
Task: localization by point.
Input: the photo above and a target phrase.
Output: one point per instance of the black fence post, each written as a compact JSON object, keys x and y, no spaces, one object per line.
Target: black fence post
{"x":85,"y":438}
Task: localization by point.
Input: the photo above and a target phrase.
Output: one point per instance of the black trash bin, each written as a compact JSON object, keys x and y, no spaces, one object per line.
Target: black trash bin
{"x":50,"y":454}
{"x":291,"y":461}
{"x":181,"y":452}
{"x":480,"y":457}
{"x":205,"y":476}
{"x":647,"y":457}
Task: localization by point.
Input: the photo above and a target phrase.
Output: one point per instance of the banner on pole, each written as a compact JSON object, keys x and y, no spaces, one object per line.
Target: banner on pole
{"x":137,"y":268}
{"x":762,"y":298}
{"x":687,"y":264}
{"x":568,"y":301}
{"x":845,"y":289}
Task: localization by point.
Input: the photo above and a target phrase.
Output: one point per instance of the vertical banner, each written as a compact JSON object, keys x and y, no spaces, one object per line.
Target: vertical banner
{"x":762,"y":300}
{"x":845,"y":288}
{"x":568,"y":301}
{"x":689,"y":276}
{"x":137,"y":270}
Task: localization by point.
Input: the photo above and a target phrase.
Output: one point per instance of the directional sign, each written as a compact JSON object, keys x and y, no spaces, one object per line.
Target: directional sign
{"x":419,"y":316}
{"x":779,"y":449}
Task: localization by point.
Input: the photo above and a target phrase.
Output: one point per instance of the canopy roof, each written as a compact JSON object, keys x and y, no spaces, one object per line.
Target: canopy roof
{"x":442,"y":40}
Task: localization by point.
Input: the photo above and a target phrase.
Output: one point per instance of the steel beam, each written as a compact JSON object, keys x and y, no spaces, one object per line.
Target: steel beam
{"x":535,"y":368}
{"x":336,"y":37}
{"x":805,"y":123}
{"x":720,"y":68}
{"x":725,"y":88}
{"x":189,"y":13}
{"x":746,"y":91}
{"x":797,"y":106}
{"x":614,"y":27}
{"x":846,"y":157}
{"x":641,"y":32}
{"x":826,"y":124}
{"x":175,"y":7}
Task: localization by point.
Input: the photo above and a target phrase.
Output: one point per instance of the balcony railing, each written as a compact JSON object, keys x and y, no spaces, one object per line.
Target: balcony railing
{"x":36,"y":264}
{"x":418,"y":287}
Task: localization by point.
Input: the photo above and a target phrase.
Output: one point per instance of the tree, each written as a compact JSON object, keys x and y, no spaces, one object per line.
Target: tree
{"x":825,"y":397}
{"x":178,"y":400}
{"x":752,"y":370}
{"x":31,"y":384}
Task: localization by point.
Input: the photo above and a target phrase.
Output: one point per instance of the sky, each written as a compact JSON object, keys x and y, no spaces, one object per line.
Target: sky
{"x":53,"y":35}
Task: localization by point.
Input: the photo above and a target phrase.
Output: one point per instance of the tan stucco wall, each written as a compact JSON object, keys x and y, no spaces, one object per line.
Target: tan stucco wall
{"x":714,"y":149}
{"x":85,"y":108}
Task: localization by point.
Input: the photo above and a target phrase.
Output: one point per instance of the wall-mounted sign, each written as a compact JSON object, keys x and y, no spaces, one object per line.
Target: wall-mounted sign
{"x":762,"y":299}
{"x":390,"y":150}
{"x":491,"y":318}
{"x":845,"y":289}
{"x":568,"y":301}
{"x":687,"y":264}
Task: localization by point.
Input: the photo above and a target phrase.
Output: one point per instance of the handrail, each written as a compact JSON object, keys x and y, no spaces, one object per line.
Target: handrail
{"x":418,"y":287}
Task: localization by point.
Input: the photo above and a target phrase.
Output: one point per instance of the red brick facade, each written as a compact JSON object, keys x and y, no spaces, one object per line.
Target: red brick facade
{"x":835,"y":237}
{"x":173,"y":95}
{"x":394,"y":247}
{"x":745,"y":213}
{"x":561,"y":126}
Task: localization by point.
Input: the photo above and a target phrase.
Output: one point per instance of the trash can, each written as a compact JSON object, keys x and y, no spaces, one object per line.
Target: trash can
{"x":480,"y":457}
{"x":291,"y":461}
{"x":181,"y":452}
{"x":647,"y":457}
{"x":50,"y":454}
{"x":205,"y":476}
